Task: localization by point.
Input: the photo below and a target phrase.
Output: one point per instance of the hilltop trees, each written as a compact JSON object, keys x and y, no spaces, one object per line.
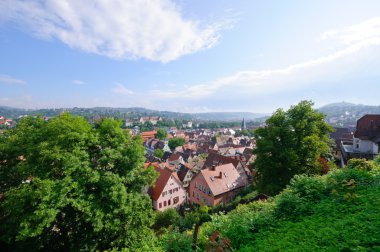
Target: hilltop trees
{"x":291,"y":143}
{"x":68,"y":186}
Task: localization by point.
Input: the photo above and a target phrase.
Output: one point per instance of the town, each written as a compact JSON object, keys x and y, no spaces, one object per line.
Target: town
{"x":212,"y":166}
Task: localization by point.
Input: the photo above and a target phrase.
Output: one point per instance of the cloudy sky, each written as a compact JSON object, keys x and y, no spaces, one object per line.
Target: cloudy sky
{"x":189,"y":55}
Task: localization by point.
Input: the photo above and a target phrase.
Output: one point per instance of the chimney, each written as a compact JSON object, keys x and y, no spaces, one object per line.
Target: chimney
{"x":213,"y":168}
{"x":220,"y":175}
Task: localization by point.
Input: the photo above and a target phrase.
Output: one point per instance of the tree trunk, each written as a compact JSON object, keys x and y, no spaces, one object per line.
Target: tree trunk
{"x":195,"y":235}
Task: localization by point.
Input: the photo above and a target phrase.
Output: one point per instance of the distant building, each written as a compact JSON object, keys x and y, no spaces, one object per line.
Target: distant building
{"x":148,"y":135}
{"x":366,"y":139}
{"x":243,"y":125}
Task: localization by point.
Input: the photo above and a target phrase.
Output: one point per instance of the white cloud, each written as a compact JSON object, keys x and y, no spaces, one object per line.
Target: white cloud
{"x":154,"y":30}
{"x":9,"y":80}
{"x":121,"y":89}
{"x":355,"y":38}
{"x":367,"y":30}
{"x":78,"y":82}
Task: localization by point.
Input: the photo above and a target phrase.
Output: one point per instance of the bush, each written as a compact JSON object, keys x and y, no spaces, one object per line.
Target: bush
{"x":360,"y":164}
{"x":290,"y":205}
{"x":312,"y":188}
{"x":167,"y":218}
{"x":175,"y":241}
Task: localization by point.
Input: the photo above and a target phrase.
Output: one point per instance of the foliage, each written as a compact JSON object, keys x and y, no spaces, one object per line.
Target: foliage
{"x":69,"y":186}
{"x":147,"y":126}
{"x":167,"y":218}
{"x":175,"y":241}
{"x":358,"y":163}
{"x":175,"y":142}
{"x":158,"y":153}
{"x":291,"y":143}
{"x":161,"y":134}
{"x":295,"y":220}
{"x":245,"y":132}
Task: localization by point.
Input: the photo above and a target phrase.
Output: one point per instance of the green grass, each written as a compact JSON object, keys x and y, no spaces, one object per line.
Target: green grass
{"x":334,"y":226}
{"x":336,"y":212}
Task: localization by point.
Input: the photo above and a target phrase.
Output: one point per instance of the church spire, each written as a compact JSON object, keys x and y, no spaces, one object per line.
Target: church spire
{"x":243,"y":125}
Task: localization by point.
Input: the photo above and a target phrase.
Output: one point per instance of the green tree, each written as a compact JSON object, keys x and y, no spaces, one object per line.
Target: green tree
{"x":291,"y":143}
{"x":158,"y":153}
{"x":69,"y":186}
{"x":161,"y":134}
{"x":147,"y":126}
{"x":175,"y":142}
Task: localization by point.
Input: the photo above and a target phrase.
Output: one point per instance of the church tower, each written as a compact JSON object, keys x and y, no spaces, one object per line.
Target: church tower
{"x":243,"y":125}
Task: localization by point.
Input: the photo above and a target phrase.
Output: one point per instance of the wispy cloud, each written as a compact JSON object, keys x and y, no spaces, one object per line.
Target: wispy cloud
{"x":9,"y":80}
{"x":367,"y":30}
{"x":355,"y":38}
{"x":154,"y":30}
{"x":78,"y":82}
{"x":121,"y":89}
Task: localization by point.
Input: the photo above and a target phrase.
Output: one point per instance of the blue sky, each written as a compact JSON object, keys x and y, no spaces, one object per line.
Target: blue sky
{"x":188,"y":56}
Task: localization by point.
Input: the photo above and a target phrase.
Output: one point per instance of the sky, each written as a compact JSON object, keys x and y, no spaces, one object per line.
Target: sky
{"x":189,"y":55}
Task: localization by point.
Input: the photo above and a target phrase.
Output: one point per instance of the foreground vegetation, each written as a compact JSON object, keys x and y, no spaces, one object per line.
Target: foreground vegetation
{"x":66,"y":185}
{"x":335,"y":212}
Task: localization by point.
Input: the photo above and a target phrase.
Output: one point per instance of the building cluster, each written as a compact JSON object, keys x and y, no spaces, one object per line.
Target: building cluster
{"x":360,"y":142}
{"x":152,"y":119}
{"x":211,"y":168}
{"x":6,"y":122}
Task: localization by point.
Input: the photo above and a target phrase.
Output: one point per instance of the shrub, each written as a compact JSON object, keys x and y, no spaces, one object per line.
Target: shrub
{"x":175,"y":241}
{"x":312,"y":188}
{"x":360,"y":164}
{"x":167,"y":218}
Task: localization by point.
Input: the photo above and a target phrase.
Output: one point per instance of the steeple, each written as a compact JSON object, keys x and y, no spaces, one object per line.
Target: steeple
{"x":243,"y":125}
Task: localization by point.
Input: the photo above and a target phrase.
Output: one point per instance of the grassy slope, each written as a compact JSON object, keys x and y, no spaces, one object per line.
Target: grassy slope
{"x":336,"y":212}
{"x":334,"y":226}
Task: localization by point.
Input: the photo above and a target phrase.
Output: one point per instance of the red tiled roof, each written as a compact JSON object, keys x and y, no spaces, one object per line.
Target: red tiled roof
{"x":161,"y":181}
{"x":218,"y":159}
{"x":223,"y":178}
{"x":174,"y":157}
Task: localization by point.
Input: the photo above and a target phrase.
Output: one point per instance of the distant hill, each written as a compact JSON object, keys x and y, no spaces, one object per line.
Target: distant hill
{"x":133,"y":112}
{"x":340,"y":114}
{"x":345,"y":114}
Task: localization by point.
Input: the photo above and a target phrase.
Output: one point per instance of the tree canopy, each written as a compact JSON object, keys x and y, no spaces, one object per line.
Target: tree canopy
{"x":291,"y":143}
{"x":161,"y":134}
{"x":175,"y":142}
{"x":66,"y":185}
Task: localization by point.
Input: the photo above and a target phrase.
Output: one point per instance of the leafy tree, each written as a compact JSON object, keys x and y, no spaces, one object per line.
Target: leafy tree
{"x":69,"y":186}
{"x":161,"y":134}
{"x":175,"y":142}
{"x":167,"y":218}
{"x":147,"y":126}
{"x":291,"y":143}
{"x":158,"y":153}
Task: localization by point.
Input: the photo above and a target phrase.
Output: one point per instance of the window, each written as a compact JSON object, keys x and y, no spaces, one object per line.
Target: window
{"x":170,"y":191}
{"x":198,"y":196}
{"x":159,"y":205}
{"x":176,"y":200}
{"x":169,"y":202}
{"x":165,"y":203}
{"x":193,"y":193}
